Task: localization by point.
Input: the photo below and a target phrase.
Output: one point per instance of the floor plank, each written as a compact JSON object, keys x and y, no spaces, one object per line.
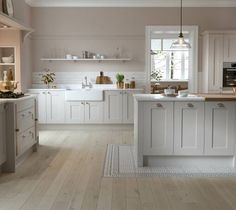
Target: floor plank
{"x":67,"y":174}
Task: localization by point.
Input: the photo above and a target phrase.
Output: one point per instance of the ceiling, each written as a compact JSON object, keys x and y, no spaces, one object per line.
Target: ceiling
{"x":130,"y":3}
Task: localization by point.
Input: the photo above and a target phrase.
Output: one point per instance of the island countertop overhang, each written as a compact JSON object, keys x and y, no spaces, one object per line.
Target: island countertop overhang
{"x":191,"y":97}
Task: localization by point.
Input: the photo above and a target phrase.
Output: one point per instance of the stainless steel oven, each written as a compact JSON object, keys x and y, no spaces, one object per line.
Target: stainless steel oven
{"x":229,"y":75}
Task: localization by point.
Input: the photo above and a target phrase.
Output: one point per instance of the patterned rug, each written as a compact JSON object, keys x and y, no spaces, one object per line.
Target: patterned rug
{"x":120,"y":163}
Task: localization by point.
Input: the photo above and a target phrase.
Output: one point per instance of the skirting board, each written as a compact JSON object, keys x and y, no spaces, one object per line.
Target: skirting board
{"x":176,"y":161}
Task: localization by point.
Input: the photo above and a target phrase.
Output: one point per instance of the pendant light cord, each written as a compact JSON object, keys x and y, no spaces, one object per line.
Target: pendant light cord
{"x":181,"y":17}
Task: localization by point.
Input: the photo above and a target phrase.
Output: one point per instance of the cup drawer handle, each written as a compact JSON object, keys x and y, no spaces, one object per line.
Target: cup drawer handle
{"x":220,"y":105}
{"x":190,"y":105}
{"x":159,"y":105}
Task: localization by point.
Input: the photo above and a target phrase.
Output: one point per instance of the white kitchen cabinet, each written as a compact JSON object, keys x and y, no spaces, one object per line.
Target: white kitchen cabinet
{"x":55,"y":107}
{"x":229,"y":47}
{"x":42,"y":106}
{"x":189,"y":128}
{"x":94,"y":112}
{"x":212,"y":60}
{"x":75,"y":112}
{"x":84,"y":112}
{"x":2,"y":133}
{"x":128,"y":107}
{"x":113,"y":107}
{"x":220,"y":128}
{"x":158,"y":128}
{"x":119,"y":106}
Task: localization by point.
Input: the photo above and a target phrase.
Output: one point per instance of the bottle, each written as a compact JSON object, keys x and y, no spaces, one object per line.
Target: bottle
{"x":132,"y":83}
{"x":127,"y":85}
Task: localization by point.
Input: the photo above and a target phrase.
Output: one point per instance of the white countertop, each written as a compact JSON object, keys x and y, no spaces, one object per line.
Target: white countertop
{"x":158,"y":97}
{"x":10,"y":100}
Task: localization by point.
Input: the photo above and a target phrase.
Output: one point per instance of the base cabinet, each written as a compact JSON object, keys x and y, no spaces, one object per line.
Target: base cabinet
{"x":84,"y":112}
{"x":220,"y":130}
{"x":113,"y":107}
{"x":189,"y":128}
{"x":55,"y":107}
{"x":158,"y":128}
{"x":119,"y":106}
{"x":3,"y":154}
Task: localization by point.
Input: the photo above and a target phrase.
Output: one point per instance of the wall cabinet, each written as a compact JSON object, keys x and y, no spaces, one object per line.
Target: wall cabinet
{"x":189,"y":128}
{"x":158,"y":128}
{"x":2,"y":133}
{"x":229,"y":47}
{"x":84,"y":112}
{"x":220,"y":128}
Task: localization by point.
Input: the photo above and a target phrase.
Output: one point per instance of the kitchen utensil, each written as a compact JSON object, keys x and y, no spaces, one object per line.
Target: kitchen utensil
{"x":183,"y":93}
{"x":6,"y":86}
{"x":9,"y":59}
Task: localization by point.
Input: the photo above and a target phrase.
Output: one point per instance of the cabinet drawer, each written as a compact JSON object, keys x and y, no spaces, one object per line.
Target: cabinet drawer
{"x":25,"y":119}
{"x":25,"y":140}
{"x":26,"y":104}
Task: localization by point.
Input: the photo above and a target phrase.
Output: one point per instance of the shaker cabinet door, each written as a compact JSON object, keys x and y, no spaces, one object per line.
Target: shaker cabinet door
{"x":42,"y":107}
{"x":2,"y":134}
{"x":158,"y":128}
{"x":113,"y":107}
{"x":94,"y":112}
{"x":230,"y":48}
{"x":220,"y":128}
{"x":75,"y":112}
{"x":56,"y":107}
{"x":189,"y":128}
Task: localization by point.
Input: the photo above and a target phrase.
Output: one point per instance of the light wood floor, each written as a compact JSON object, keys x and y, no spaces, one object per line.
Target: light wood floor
{"x":67,"y":174}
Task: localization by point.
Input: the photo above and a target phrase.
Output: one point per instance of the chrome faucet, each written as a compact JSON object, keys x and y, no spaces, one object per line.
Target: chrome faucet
{"x":86,"y":84}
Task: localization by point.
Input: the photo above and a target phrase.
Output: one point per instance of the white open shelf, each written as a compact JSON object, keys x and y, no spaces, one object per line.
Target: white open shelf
{"x":86,"y":59}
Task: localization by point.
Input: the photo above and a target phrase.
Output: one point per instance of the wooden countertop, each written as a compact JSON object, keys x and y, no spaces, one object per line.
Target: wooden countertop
{"x":218,"y":96}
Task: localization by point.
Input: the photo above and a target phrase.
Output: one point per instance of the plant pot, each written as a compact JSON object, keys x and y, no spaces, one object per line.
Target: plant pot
{"x":120,"y":85}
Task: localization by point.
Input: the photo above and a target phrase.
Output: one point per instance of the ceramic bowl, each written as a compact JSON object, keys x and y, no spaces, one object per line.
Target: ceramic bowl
{"x":7,"y":59}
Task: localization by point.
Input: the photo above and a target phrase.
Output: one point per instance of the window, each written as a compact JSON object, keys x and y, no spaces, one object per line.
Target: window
{"x":168,"y":64}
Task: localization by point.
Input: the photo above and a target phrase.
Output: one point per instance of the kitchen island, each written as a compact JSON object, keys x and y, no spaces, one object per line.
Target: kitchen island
{"x":18,"y":130}
{"x":198,"y":130}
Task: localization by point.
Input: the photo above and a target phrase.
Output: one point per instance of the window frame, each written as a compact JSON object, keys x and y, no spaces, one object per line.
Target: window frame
{"x":193,"y":52}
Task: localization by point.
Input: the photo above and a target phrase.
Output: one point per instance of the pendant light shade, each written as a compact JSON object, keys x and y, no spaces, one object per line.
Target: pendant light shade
{"x":180,"y":43}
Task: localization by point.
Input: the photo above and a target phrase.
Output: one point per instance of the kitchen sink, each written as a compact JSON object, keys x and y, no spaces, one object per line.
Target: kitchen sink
{"x":86,"y":94}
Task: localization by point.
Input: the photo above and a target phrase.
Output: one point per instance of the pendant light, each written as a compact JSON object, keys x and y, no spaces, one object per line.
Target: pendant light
{"x":181,"y":44}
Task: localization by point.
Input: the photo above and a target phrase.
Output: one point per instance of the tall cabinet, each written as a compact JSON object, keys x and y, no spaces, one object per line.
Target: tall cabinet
{"x":218,"y":47}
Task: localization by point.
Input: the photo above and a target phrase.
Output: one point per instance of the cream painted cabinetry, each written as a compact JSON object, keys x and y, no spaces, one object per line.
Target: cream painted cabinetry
{"x":119,"y":106}
{"x":212,"y":60}
{"x":113,"y":107}
{"x":51,"y":106}
{"x":218,"y":47}
{"x":229,"y":47}
{"x":2,"y":133}
{"x":189,"y":128}
{"x":84,"y":112}
{"x":158,"y":128}
{"x":55,"y":107}
{"x":220,"y":128}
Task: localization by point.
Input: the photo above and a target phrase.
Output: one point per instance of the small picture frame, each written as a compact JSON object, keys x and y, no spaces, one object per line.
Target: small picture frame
{"x":7,"y":7}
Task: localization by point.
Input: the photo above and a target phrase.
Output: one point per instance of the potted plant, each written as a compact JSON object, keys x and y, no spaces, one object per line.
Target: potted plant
{"x":48,"y":77}
{"x":120,"y":80}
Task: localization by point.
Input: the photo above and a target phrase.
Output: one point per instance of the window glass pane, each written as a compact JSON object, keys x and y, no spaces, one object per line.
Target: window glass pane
{"x":168,"y":64}
{"x":156,"y":44}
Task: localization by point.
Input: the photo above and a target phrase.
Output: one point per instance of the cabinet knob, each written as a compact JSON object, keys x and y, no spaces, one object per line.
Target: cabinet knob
{"x":159,"y":105}
{"x":87,"y":103}
{"x":17,"y":130}
{"x":44,"y":93}
{"x":49,"y":93}
{"x":220,"y":105}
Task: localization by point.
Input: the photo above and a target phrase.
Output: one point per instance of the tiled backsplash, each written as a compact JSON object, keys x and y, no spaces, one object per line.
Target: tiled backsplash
{"x":73,"y":78}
